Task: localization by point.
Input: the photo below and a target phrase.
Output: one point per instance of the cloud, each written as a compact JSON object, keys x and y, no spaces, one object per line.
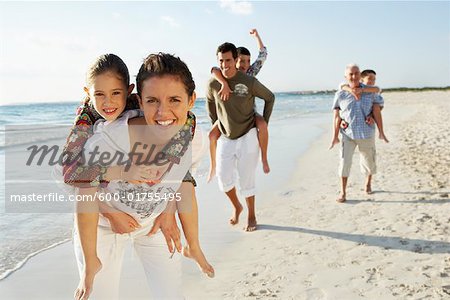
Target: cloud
{"x":53,"y":42}
{"x":171,"y":21}
{"x":237,"y":7}
{"x":116,"y":15}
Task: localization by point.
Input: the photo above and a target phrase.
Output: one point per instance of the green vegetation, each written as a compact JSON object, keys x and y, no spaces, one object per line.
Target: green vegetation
{"x":399,"y":89}
{"x":424,"y":89}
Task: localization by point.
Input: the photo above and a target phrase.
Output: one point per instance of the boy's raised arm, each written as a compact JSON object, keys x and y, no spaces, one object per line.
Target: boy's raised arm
{"x":259,"y":41}
{"x":262,"y":55}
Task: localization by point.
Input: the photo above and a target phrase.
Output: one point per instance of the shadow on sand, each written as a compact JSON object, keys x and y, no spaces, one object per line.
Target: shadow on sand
{"x":386,"y":242}
{"x":420,"y":201}
{"x":430,"y":193}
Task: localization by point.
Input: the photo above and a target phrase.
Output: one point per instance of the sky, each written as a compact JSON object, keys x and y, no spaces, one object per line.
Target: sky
{"x":46,"y":47}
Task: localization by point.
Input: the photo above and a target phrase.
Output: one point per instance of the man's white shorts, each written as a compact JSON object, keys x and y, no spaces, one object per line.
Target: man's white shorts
{"x":236,"y":163}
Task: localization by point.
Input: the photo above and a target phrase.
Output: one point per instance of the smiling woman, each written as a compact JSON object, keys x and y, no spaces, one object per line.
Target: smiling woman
{"x":163,"y":129}
{"x":165,"y":93}
{"x":165,"y":101}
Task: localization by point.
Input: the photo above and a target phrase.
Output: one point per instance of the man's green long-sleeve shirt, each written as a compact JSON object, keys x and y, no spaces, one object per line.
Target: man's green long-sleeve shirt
{"x":237,"y":115}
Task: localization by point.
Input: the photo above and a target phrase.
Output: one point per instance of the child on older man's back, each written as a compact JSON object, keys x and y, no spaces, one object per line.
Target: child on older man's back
{"x":243,"y":65}
{"x":368,"y":78}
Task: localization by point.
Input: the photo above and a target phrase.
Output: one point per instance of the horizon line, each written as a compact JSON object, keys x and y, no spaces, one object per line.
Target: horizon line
{"x":297,"y":92}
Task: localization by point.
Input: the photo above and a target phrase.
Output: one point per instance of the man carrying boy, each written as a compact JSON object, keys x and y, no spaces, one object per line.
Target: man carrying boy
{"x":237,"y":149}
{"x":368,"y":78}
{"x":243,"y":65}
{"x":358,"y":132}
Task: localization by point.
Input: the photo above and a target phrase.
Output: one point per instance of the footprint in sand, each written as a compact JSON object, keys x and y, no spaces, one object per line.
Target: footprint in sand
{"x":404,"y":242}
{"x":424,"y":218}
{"x":374,"y":274}
{"x":313,"y":294}
{"x":250,"y":294}
{"x":287,"y":193}
{"x":446,"y":289}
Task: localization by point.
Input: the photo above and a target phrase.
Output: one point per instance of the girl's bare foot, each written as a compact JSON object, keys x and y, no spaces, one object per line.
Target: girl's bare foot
{"x":235,"y":217}
{"x":383,"y":137}
{"x":266,"y":167}
{"x":251,"y":225}
{"x":86,"y":284}
{"x":196,"y":254}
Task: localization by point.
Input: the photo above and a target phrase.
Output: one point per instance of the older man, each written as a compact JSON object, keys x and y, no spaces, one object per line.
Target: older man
{"x":237,"y":148}
{"x":358,"y":133}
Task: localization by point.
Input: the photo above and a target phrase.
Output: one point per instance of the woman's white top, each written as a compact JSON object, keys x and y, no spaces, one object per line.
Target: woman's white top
{"x":141,"y":201}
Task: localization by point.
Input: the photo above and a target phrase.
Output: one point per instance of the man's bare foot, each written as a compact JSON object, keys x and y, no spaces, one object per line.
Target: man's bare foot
{"x":266,"y":167}
{"x":383,"y":137}
{"x":211,"y":174}
{"x":368,"y":189}
{"x":341,"y":198}
{"x":196,"y":254}
{"x":251,"y":225}
{"x":235,"y":217}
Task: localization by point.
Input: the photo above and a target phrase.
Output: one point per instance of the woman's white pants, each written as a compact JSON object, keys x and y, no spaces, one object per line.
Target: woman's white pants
{"x":163,"y":273}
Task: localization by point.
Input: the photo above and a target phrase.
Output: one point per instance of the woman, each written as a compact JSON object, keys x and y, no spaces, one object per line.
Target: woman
{"x":166,"y":94}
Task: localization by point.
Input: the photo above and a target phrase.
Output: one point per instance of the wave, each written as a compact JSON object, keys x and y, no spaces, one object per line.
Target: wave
{"x":20,"y":264}
{"x":27,"y":127}
{"x":17,"y":136}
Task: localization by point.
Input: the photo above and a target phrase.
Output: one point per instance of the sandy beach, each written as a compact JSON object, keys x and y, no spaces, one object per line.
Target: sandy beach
{"x":393,"y":244}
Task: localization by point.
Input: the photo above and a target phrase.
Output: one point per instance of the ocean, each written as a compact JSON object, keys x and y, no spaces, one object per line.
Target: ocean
{"x":23,"y":235}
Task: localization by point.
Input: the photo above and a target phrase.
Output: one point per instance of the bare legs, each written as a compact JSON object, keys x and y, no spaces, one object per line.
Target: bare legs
{"x":342,"y":196}
{"x":188,"y":214}
{"x":237,"y":209}
{"x":86,"y":222}
{"x":379,"y":121}
{"x":368,"y":188}
{"x":214,"y":135}
{"x":237,"y":206}
{"x":263,"y":138}
{"x":251,"y":220}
